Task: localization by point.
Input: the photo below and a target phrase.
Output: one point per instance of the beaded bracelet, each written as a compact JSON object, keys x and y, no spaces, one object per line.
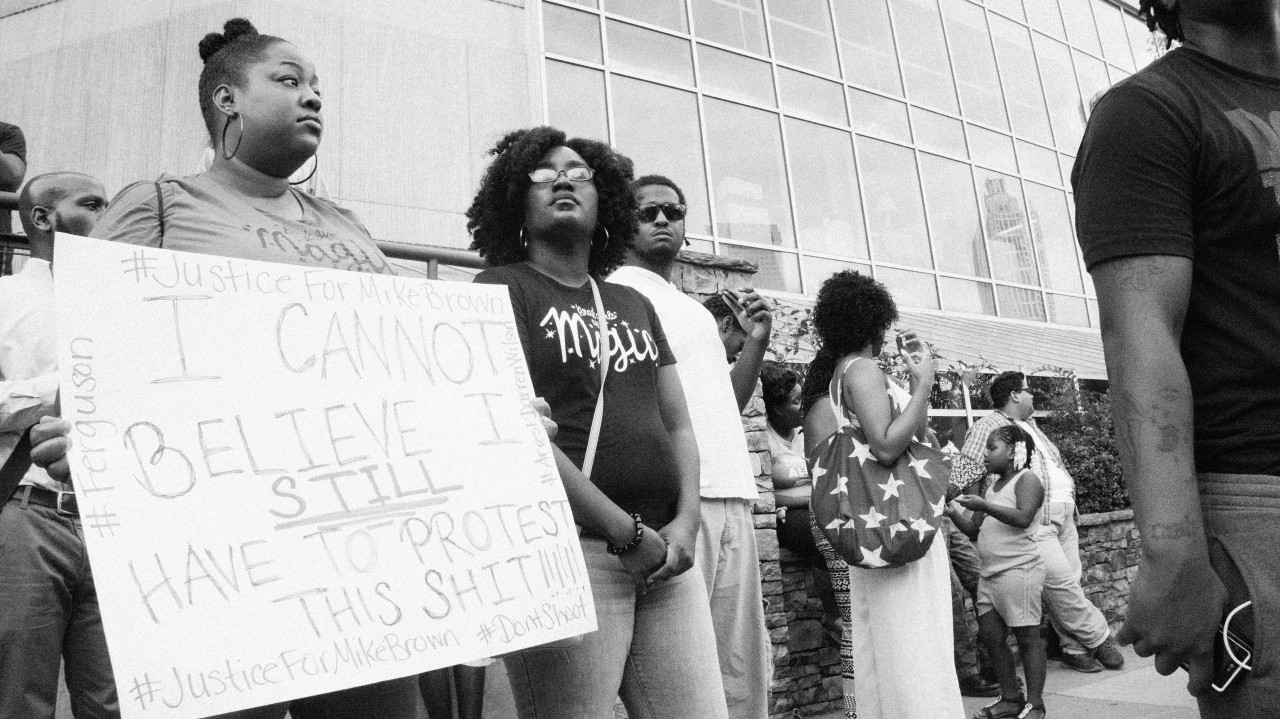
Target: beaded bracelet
{"x":629,"y":546}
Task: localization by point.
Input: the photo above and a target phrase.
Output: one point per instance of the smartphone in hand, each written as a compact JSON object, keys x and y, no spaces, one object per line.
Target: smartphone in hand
{"x":909,"y":341}
{"x":731,"y":299}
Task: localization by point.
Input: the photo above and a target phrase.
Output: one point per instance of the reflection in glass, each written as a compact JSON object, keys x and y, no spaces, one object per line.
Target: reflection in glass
{"x":975,"y":298}
{"x":991,"y":149}
{"x":953,"y":216}
{"x":825,"y":187}
{"x":1038,"y":164}
{"x":1055,"y":242}
{"x":866,"y":45}
{"x":975,"y":63}
{"x":663,"y":13}
{"x":571,"y":32}
{"x":909,"y":289}
{"x":808,"y":95}
{"x":1008,"y":228}
{"x":1092,"y":74}
{"x":575,"y":100}
{"x":895,"y":212}
{"x":657,"y":127}
{"x":879,"y":116}
{"x":1020,"y":303}
{"x":938,"y":133}
{"x":1043,"y":16}
{"x":818,"y":269}
{"x":923,"y":47}
{"x":747,"y":179}
{"x":737,"y":76}
{"x":1021,"y":85}
{"x":1078,"y":17}
{"x":778,"y":270}
{"x":1066,"y":310}
{"x":802,"y":35}
{"x":1115,"y":41}
{"x":649,"y":53}
{"x":736,"y":23}
{"x":1059,"y":78}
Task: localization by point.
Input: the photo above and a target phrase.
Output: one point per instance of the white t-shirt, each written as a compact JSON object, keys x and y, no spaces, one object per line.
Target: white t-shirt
{"x":704,"y":374}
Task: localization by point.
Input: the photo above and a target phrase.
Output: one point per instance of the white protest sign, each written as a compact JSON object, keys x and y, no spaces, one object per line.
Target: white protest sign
{"x":296,"y":480}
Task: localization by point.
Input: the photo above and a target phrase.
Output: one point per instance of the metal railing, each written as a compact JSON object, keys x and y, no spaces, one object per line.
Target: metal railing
{"x":430,"y":255}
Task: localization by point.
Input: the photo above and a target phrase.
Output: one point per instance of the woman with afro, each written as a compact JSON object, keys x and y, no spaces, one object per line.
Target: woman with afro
{"x":896,"y":654}
{"x":552,"y":217}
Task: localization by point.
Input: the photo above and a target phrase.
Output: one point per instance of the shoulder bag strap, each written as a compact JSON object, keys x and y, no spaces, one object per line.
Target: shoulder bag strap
{"x":15,"y":467}
{"x":160,"y":211}
{"x":602,"y":357}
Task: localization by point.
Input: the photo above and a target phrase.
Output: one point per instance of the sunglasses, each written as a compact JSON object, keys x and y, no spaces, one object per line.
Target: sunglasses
{"x":544,"y":175}
{"x":672,"y":211}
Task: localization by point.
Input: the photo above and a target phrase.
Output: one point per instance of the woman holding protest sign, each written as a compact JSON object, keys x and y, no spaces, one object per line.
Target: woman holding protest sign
{"x":553,"y":216}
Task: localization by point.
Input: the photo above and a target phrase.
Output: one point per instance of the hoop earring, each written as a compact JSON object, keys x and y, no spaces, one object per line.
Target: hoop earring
{"x":225,"y":156}
{"x":314,"y":166}
{"x":524,"y":244}
{"x":605,"y":246}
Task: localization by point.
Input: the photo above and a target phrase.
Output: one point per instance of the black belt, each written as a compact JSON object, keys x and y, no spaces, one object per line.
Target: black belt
{"x":63,"y":502}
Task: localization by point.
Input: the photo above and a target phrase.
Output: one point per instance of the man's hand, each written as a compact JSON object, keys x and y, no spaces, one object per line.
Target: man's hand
{"x":1175,"y":607}
{"x":681,"y":538}
{"x":544,"y":414}
{"x":757,"y":314}
{"x":49,"y":443}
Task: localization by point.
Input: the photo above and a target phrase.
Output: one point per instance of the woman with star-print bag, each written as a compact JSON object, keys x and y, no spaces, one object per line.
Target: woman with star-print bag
{"x":878,"y":497}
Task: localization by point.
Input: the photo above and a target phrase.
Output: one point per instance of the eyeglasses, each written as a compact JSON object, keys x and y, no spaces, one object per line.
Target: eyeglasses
{"x":672,"y":211}
{"x":577,"y":173}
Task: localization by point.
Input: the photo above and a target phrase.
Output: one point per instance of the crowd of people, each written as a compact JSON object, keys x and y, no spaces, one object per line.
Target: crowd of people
{"x":668,"y":534}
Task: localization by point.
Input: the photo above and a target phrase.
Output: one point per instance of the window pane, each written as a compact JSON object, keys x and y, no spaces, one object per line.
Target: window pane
{"x":975,"y":63}
{"x":1008,"y":8}
{"x":747,"y":179}
{"x":1038,"y":164}
{"x":1092,"y":74}
{"x":909,"y":289}
{"x":735,"y":75}
{"x":736,"y":23}
{"x":1115,"y":41}
{"x":875,"y":115}
{"x":584,"y":3}
{"x":1141,"y":42}
{"x":1021,"y":85}
{"x":1117,"y":74}
{"x":575,"y":100}
{"x":924,"y":54}
{"x":571,"y":32}
{"x":825,"y":186}
{"x":953,"y":216}
{"x":663,"y":13}
{"x":866,"y":45}
{"x":1055,"y":242}
{"x":818,"y":269}
{"x":1060,"y":89}
{"x":1093,"y":314}
{"x":1020,"y":304}
{"x":1043,"y":16}
{"x":649,"y":53}
{"x":1066,"y":163}
{"x":895,"y":213}
{"x":704,"y":246}
{"x":664,"y":143}
{"x":808,"y":95}
{"x":991,"y":149}
{"x":938,"y":132}
{"x":975,"y":298}
{"x":802,"y":35}
{"x":1005,"y":219}
{"x":1066,"y":310}
{"x":778,"y":270}
{"x":1078,"y":17}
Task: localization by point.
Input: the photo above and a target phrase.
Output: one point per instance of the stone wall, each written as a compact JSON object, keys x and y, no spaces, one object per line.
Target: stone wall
{"x":1109,"y":549}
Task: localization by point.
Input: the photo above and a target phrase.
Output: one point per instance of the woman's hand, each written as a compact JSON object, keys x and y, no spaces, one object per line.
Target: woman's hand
{"x":971,"y":502}
{"x":645,"y":559}
{"x":919,"y":366}
{"x":544,"y":414}
{"x":681,"y":537}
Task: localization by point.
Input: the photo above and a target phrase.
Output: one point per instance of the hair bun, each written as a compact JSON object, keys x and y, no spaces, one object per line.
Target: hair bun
{"x":232,"y":30}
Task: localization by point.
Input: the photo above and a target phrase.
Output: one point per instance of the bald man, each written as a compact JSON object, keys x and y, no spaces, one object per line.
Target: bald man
{"x":46,"y":588}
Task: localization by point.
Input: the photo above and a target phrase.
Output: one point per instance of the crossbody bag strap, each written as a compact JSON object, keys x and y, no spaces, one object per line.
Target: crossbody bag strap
{"x":160,"y":211}
{"x":602,"y":357}
{"x":15,"y":467}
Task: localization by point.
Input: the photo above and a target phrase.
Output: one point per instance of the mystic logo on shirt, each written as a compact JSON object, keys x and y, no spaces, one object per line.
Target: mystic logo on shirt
{"x":319,"y":246}
{"x":572,"y":329}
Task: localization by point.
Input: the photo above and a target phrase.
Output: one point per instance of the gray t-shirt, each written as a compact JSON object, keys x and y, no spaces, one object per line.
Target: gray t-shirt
{"x":196,"y":214}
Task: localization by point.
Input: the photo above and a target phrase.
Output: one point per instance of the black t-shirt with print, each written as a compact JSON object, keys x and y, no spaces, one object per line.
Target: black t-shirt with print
{"x":1183,"y":159}
{"x":635,"y":465}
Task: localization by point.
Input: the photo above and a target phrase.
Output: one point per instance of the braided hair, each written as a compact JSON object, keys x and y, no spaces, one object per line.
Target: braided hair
{"x":1165,"y":19}
{"x":226,"y":57}
{"x":1012,"y":434}
{"x":497,"y":213}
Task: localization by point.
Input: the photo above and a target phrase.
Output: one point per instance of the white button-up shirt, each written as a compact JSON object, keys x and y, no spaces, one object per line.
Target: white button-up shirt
{"x":28,"y":360}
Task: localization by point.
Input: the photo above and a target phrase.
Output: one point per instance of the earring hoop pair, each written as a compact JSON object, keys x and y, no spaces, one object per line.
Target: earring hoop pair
{"x":315,"y":165}
{"x":524,"y":243}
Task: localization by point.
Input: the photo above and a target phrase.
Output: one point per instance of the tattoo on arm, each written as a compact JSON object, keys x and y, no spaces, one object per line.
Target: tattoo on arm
{"x":1184,"y":528}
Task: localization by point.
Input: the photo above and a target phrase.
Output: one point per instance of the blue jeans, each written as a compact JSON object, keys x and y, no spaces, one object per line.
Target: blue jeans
{"x":656,"y":650}
{"x":49,"y":612}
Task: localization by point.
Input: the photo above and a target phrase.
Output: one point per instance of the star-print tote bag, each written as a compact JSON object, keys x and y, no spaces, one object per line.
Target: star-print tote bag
{"x":876,"y":516}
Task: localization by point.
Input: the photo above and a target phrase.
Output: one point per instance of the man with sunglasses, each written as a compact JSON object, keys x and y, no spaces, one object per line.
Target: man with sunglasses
{"x":1087,"y":644}
{"x":726,"y":549}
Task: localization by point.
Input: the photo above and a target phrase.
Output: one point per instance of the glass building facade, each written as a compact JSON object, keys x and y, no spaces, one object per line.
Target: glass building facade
{"x":929,"y":142}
